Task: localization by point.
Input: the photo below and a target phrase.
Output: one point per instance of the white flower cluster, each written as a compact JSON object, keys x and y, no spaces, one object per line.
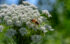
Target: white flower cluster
{"x":22,"y":16}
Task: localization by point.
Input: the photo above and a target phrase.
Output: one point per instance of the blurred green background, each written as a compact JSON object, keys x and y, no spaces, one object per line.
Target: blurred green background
{"x":60,"y":21}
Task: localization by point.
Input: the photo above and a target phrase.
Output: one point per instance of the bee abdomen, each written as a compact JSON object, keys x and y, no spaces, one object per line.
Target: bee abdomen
{"x":37,"y":23}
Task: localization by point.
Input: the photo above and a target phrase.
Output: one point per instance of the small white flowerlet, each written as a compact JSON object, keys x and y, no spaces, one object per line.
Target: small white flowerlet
{"x":1,"y":28}
{"x":43,"y":28}
{"x":9,"y":13}
{"x":18,"y":23}
{"x":9,"y":22}
{"x":10,"y":33}
{"x":26,"y":3}
{"x":28,"y":24}
{"x":40,"y":20}
{"x":51,"y":29}
{"x":23,"y":31}
{"x":33,"y":6}
{"x":46,"y":12}
{"x":15,"y":18}
{"x":6,"y":18}
{"x":36,"y":38}
{"x":13,"y":5}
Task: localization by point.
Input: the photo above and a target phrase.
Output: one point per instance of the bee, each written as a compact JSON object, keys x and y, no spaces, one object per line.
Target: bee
{"x":35,"y":21}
